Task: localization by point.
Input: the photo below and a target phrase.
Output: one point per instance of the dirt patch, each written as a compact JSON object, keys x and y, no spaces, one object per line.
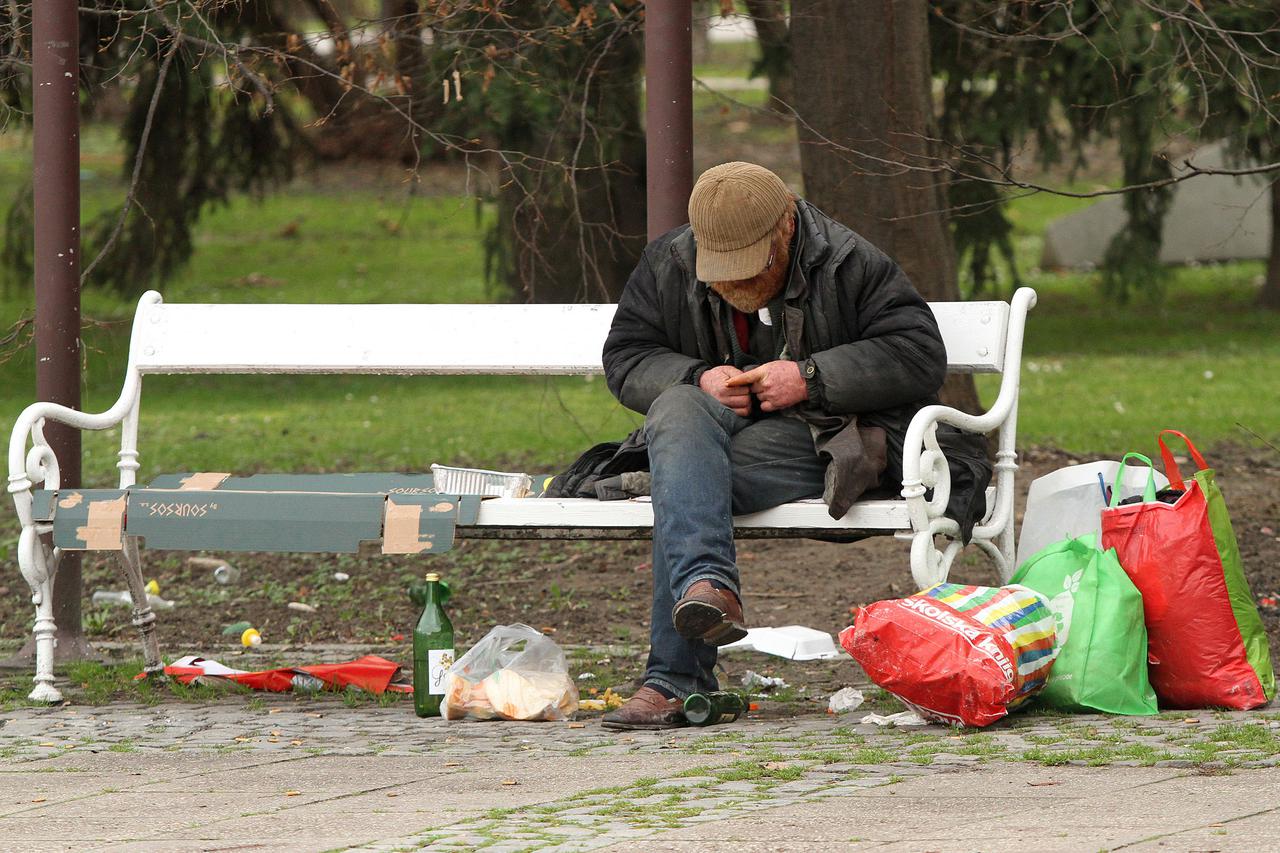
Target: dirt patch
{"x":588,"y":593}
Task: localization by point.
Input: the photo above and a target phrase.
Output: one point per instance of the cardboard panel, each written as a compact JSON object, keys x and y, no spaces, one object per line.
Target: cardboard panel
{"x":254,"y":521}
{"x":416,"y":524}
{"x":89,"y":519}
{"x":368,"y":483}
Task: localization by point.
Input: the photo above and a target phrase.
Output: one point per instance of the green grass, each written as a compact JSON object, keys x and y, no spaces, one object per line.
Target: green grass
{"x":1098,"y":378}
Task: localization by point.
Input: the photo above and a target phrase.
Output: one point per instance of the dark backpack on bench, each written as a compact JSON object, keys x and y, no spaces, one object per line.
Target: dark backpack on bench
{"x":602,"y":462}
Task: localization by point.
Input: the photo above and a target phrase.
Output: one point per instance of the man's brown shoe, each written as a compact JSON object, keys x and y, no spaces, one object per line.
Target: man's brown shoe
{"x":647,"y":709}
{"x":709,"y":614}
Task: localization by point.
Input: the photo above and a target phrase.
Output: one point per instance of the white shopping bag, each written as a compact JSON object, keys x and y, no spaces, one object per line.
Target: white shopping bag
{"x":1068,"y":503}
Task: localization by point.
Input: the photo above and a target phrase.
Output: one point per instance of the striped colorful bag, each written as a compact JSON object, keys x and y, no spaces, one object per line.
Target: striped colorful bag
{"x":964,"y":655}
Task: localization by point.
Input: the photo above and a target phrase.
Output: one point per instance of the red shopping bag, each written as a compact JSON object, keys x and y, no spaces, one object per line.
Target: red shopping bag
{"x":1203,"y":628}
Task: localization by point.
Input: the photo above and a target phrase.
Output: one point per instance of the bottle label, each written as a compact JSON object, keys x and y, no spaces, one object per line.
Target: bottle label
{"x":439,"y":661}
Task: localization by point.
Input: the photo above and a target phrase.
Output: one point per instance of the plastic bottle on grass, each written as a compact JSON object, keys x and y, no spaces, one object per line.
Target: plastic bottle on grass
{"x":432,"y":647}
{"x":107,"y":596}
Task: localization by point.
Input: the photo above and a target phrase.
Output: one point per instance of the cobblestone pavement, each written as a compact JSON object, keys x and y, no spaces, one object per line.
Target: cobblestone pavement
{"x":281,"y":773}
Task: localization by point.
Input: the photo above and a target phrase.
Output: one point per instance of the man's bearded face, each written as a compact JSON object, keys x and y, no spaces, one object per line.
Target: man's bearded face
{"x":749,"y":295}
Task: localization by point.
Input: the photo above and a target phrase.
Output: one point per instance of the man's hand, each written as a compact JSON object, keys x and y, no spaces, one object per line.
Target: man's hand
{"x":777,"y":385}
{"x":716,"y":383}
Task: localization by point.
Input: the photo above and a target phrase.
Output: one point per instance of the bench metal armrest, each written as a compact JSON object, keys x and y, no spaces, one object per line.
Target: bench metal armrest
{"x":40,"y":465}
{"x":924,"y":466}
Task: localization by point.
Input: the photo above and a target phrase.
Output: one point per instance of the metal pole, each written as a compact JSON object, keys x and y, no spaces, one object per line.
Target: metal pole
{"x":56,"y":107}
{"x":668,"y":72}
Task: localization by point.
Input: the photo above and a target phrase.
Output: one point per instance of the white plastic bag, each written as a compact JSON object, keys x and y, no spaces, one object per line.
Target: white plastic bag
{"x":1067,"y":504}
{"x":513,"y":673}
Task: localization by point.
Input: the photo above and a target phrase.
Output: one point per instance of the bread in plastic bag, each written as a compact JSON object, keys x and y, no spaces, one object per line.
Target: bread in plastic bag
{"x":514,"y":673}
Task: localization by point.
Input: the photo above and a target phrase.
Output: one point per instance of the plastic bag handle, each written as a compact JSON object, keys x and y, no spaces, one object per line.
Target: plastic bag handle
{"x":1171,"y":467}
{"x":1148,"y":493}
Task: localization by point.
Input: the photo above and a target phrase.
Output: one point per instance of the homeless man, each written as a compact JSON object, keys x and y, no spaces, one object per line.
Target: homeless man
{"x":776,"y":356}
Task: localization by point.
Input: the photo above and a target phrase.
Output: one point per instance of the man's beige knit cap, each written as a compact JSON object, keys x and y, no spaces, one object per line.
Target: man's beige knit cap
{"x":733,"y":209}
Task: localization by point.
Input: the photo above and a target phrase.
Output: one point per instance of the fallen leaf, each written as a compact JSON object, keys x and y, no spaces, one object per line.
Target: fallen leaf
{"x":48,"y":743}
{"x":453,"y":764}
{"x":275,"y":733}
{"x":1043,"y":784}
{"x":295,"y":743}
{"x":274,"y":710}
{"x":40,"y":799}
{"x":577,"y":725}
{"x":510,"y":782}
{"x":392,"y":794}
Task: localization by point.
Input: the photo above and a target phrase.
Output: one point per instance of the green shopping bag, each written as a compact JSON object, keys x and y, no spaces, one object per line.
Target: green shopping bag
{"x":1102,"y":639}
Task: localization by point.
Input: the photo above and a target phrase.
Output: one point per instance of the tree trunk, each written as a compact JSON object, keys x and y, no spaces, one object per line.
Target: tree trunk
{"x":770,"y":20}
{"x":866,"y":121}
{"x":1270,"y":296}
{"x":405,"y":26}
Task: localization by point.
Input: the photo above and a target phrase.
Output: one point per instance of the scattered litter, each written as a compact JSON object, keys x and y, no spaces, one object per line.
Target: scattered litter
{"x":369,"y":673}
{"x":513,"y":673}
{"x":341,"y":577}
{"x":152,"y":587}
{"x":301,"y":607}
{"x":223,"y":572}
{"x":793,"y":642}
{"x":397,"y":638}
{"x":292,"y":793}
{"x":844,"y":700}
{"x":586,"y":676}
{"x":510,"y":782}
{"x":752,"y":680}
{"x":607,"y":702}
{"x":250,"y":638}
{"x":713,"y":708}
{"x":305,"y":683}
{"x":902,"y":718}
{"x":577,"y":725}
{"x":107,"y":596}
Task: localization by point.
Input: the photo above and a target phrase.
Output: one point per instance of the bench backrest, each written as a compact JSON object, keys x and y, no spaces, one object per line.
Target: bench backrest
{"x":443,"y":339}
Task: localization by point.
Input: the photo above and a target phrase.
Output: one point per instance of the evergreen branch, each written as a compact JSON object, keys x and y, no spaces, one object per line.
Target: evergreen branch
{"x":141,"y":153}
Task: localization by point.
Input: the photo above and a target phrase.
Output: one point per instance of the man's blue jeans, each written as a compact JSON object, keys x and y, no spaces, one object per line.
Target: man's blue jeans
{"x":709,"y":464}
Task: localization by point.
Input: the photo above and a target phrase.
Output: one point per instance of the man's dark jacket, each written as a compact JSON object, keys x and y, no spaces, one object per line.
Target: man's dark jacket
{"x":875,"y":344}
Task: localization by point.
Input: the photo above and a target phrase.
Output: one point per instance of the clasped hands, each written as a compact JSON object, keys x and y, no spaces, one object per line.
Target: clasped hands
{"x":777,"y":385}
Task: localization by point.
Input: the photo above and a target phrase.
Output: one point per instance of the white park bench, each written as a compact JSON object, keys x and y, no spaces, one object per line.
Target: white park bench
{"x":981,"y":337}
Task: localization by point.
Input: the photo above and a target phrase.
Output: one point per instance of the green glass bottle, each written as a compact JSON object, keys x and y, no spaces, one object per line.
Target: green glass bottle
{"x":432,"y":646}
{"x":708,"y":709}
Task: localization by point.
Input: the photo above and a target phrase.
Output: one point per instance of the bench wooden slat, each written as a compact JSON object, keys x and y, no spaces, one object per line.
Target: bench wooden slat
{"x":584,"y":512}
{"x":445,"y":339}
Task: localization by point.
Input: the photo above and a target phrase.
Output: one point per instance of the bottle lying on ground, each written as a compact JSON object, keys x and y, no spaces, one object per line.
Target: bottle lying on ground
{"x":709,"y":709}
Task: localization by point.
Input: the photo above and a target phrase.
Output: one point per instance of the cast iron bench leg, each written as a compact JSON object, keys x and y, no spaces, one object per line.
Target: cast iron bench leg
{"x":143,"y":617}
